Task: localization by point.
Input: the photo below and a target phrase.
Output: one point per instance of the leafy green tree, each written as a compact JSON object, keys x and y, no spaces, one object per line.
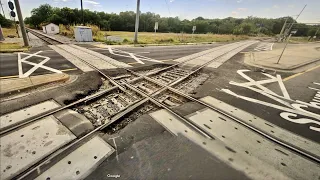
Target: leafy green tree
{"x":41,"y":14}
{"x":246,"y":28}
{"x":125,"y":21}
{"x":313,"y":31}
{"x":5,"y":22}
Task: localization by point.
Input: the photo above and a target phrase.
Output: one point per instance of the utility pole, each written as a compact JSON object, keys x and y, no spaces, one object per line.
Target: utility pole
{"x":289,"y":35}
{"x":21,"y":22}
{"x":315,"y":34}
{"x":1,"y":34}
{"x":281,"y":32}
{"x":284,"y":48}
{"x":82,"y":12}
{"x":296,"y":18}
{"x":137,"y":22}
{"x":284,"y":25}
{"x":2,"y":9}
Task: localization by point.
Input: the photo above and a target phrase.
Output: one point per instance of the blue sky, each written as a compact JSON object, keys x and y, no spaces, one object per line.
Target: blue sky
{"x":189,"y":9}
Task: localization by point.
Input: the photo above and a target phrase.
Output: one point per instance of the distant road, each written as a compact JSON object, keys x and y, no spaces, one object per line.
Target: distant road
{"x":155,"y":52}
{"x":10,"y":67}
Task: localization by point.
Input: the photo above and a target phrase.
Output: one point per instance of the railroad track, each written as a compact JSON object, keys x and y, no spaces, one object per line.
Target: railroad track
{"x":124,"y":98}
{"x":45,"y":38}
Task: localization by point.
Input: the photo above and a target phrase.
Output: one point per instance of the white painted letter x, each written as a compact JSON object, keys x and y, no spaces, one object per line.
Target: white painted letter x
{"x":35,"y":65}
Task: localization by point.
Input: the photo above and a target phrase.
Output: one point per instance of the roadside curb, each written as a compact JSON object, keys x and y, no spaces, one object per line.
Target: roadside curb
{"x":152,"y":45}
{"x":291,"y":68}
{"x":14,"y":50}
{"x":174,"y":44}
{"x":14,"y":85}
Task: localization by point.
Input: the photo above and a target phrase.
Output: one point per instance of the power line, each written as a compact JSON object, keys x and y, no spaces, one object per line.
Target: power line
{"x":168,"y":7}
{"x":290,"y":34}
{"x":297,"y":18}
{"x":2,"y":9}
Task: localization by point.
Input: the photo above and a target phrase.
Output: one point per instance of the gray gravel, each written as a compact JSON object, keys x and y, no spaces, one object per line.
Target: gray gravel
{"x":63,"y":38}
{"x":34,"y":41}
{"x":85,"y":83}
{"x":60,"y":37}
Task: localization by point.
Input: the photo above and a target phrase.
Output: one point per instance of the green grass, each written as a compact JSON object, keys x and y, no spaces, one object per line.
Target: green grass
{"x":9,"y":32}
{"x":166,"y":38}
{"x":152,"y":38}
{"x":299,"y":40}
{"x":12,"y":47}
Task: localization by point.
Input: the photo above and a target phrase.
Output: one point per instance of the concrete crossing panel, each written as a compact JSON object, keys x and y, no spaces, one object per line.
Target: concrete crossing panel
{"x":23,"y":148}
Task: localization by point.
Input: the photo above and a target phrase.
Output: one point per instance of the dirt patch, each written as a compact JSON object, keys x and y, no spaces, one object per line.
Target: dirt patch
{"x":85,"y":84}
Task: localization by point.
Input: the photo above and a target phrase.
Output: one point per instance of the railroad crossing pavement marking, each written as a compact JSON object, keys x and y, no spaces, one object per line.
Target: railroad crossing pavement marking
{"x":35,"y":65}
{"x":289,"y":108}
{"x":136,"y":57}
{"x":159,"y":60}
{"x":264,"y":47}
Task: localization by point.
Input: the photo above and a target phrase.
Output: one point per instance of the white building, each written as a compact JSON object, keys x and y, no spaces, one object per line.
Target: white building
{"x":83,"y":34}
{"x":50,"y":28}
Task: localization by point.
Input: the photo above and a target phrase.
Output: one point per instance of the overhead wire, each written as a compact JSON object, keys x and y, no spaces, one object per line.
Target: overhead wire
{"x":168,"y":7}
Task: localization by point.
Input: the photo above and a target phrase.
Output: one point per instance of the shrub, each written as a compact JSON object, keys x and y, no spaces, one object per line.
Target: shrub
{"x":66,"y":30}
{"x":170,"y":40}
{"x":112,"y":42}
{"x":95,"y":29}
{"x":5,"y":22}
{"x":125,"y":40}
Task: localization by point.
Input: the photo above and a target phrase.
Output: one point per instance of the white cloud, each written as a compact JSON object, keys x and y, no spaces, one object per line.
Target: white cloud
{"x":266,"y":9}
{"x":239,"y":1}
{"x":242,"y":9}
{"x":171,"y":1}
{"x":234,"y":13}
{"x":290,"y":6}
{"x":61,"y":0}
{"x":276,"y":6}
{"x":91,"y":2}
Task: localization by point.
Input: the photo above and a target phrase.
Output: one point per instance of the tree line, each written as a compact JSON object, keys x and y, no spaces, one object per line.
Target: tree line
{"x":6,"y":23}
{"x":125,"y":21}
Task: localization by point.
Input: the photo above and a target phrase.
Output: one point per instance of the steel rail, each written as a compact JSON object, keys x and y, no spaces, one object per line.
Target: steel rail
{"x":117,"y":116}
{"x":44,"y":37}
{"x":291,"y":147}
{"x":124,"y":86}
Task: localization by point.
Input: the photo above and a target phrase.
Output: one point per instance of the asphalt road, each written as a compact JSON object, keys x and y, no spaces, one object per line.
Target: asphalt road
{"x":158,"y":53}
{"x":145,"y":150}
{"x":9,"y":66}
{"x":9,"y":62}
{"x":296,"y":86}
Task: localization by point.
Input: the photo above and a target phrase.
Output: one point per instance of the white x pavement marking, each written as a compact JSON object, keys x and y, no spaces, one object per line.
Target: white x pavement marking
{"x":35,"y":65}
{"x":136,"y":57}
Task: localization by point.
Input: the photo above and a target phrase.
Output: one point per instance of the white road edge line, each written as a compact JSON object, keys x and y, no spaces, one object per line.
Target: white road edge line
{"x":271,"y":46}
{"x":282,"y":87}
